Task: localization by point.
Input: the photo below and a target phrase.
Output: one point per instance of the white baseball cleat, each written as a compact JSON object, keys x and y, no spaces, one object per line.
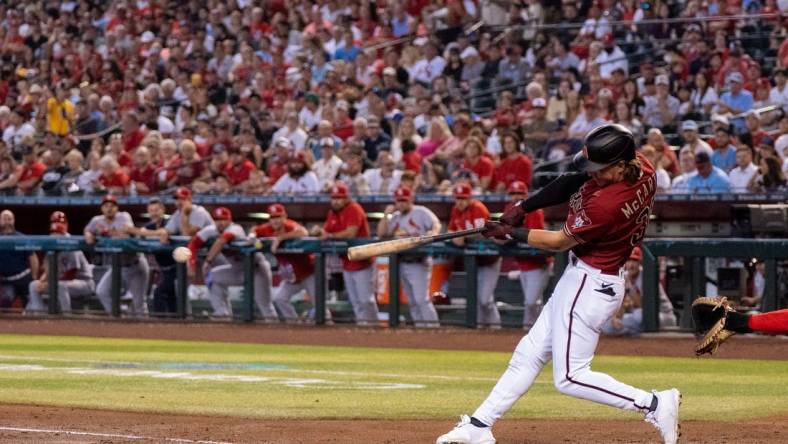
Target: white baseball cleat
{"x":666,"y":417}
{"x":466,"y":433}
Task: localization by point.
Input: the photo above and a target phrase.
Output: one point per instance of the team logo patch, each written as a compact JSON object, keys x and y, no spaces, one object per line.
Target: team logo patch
{"x":581,"y":220}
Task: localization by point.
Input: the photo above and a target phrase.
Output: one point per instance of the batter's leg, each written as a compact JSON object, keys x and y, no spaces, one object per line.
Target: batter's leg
{"x":487,"y":279}
{"x":222,"y":277}
{"x":262,"y":289}
{"x":582,"y":307}
{"x":35,"y":302}
{"x":530,"y":356}
{"x":533,"y":283}
{"x":104,"y":291}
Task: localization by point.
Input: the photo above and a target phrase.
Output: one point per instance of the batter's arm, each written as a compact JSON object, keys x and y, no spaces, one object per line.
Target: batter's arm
{"x":556,"y":192}
{"x":545,"y":239}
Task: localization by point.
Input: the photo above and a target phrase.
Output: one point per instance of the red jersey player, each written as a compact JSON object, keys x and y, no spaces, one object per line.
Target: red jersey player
{"x":470,"y":213}
{"x":609,"y":206}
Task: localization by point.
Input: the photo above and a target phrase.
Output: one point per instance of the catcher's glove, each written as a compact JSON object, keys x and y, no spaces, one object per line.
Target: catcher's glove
{"x":717,"y":321}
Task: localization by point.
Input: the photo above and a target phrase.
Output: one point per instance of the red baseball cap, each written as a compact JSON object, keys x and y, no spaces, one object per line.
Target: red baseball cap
{"x":517,"y":187}
{"x":222,"y":213}
{"x":276,"y":210}
{"x":636,"y":254}
{"x":57,"y":227}
{"x":403,"y":194}
{"x":109,"y":198}
{"x":462,"y":191}
{"x":339,"y":190}
{"x":182,"y":193}
{"x":59,"y":217}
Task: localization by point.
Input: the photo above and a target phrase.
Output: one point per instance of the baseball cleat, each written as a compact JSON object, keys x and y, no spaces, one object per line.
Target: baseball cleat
{"x":666,"y":417}
{"x":466,"y":433}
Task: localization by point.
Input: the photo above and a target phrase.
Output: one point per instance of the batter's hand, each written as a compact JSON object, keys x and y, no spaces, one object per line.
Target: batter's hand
{"x":514,"y":216}
{"x":497,"y":230}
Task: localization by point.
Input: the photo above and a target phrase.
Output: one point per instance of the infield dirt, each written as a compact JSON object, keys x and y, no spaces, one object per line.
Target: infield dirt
{"x":52,"y":423}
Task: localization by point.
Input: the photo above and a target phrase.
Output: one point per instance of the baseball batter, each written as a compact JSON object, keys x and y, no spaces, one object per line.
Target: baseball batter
{"x":76,"y":273}
{"x":609,"y":207}
{"x":227,"y":268}
{"x":534,"y":270}
{"x":134,"y":266}
{"x":346,"y":220}
{"x":404,"y":219}
{"x":470,"y":213}
{"x":297,"y":270}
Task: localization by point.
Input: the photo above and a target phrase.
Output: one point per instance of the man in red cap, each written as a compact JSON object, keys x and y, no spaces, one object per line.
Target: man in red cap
{"x":404,"y":219}
{"x":534,"y":270}
{"x":297,"y":270}
{"x":134,"y":266}
{"x":187,"y":220}
{"x":226,"y":267}
{"x":76,"y":273}
{"x":347,"y":220}
{"x":470,"y":213}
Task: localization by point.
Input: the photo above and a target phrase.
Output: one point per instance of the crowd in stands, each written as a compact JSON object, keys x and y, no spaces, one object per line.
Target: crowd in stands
{"x":273,"y":97}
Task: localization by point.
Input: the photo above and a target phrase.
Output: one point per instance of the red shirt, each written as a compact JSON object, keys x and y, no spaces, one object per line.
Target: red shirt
{"x":512,"y":169}
{"x":482,"y":168}
{"x":117,"y":179}
{"x":124,"y":159}
{"x":238,"y":174}
{"x":351,"y":215}
{"x":275,"y":169}
{"x":299,"y":265}
{"x":608,"y":222}
{"x":345,"y":130}
{"x":132,"y":140}
{"x":188,"y":171}
{"x":474,"y":216}
{"x":146,"y":176}
{"x":31,"y":171}
{"x":669,"y":160}
{"x":533,"y":221}
{"x":412,"y":161}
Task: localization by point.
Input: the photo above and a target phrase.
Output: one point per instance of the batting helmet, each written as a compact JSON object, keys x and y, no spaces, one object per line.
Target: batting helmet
{"x":182,"y":193}
{"x":276,"y":210}
{"x":604,"y":146}
{"x":462,"y":191}
{"x":59,"y":217}
{"x":403,"y":194}
{"x":222,"y":213}
{"x":58,"y":228}
{"x":517,"y":187}
{"x":339,"y":190}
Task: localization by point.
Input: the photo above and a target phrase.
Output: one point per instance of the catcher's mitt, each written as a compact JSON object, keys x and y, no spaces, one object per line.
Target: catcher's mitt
{"x":710,"y":316}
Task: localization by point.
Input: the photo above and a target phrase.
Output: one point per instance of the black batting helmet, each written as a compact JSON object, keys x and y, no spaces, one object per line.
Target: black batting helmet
{"x":604,"y":146}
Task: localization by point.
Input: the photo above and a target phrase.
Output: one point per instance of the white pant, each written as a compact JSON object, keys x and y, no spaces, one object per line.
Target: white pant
{"x":134,"y":278}
{"x":486,"y":281}
{"x":65,"y":289}
{"x":567,"y":331}
{"x":533,"y":283}
{"x":229,"y":274}
{"x":360,"y":290}
{"x":415,"y":279}
{"x":286,"y":290}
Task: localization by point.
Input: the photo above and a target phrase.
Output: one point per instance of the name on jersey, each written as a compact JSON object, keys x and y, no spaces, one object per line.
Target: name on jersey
{"x":644,"y":197}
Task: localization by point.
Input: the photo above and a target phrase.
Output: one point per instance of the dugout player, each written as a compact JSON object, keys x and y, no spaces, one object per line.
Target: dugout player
{"x":404,"y":219}
{"x":296,"y":270}
{"x":346,"y":220}
{"x":17,"y":268}
{"x":226,"y":266}
{"x":610,"y":202}
{"x":188,"y":218}
{"x":134,"y":266}
{"x":534,"y":270}
{"x":76,"y":273}
{"x":469,"y":213}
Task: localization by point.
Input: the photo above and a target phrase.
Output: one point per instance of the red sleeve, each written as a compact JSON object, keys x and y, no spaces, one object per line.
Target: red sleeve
{"x":485,"y":167}
{"x":194,"y":246}
{"x":291,"y":225}
{"x":123,"y":178}
{"x":263,"y":230}
{"x":527,"y":170}
{"x":355,"y":217}
{"x":227,"y":236}
{"x":590,"y":223}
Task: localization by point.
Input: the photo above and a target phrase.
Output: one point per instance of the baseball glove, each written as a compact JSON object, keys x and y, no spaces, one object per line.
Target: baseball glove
{"x":710,"y":316}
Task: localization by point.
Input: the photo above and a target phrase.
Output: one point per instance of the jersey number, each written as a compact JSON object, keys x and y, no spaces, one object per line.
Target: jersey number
{"x":642,"y":223}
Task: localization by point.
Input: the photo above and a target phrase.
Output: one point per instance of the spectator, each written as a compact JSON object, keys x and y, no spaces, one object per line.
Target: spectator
{"x":779,"y":93}
{"x":17,"y":268}
{"x":663,"y":179}
{"x":709,"y":178}
{"x":514,"y":165}
{"x":310,"y":115}
{"x":741,"y":175}
{"x":769,"y":176}
{"x":327,"y":166}
{"x":689,"y":131}
{"x":385,"y":179}
{"x":724,"y":156}
{"x":299,"y":178}
{"x":737,"y":100}
{"x":376,"y":140}
{"x":17,"y":130}
{"x":31,"y":171}
{"x":239,"y":169}
{"x":88,"y":180}
{"x":611,"y":58}
{"x":703,"y":96}
{"x":480,"y":166}
{"x":143,"y":173}
{"x":430,"y":66}
{"x":292,"y":132}
{"x":133,"y":133}
{"x":661,"y":109}
{"x":754,"y":129}
{"x":405,"y":131}
{"x":60,"y":111}
{"x":9,"y":175}
{"x":438,"y":136}
{"x":623,"y":116}
{"x":587,"y":120}
{"x":665,"y":152}
{"x":680,"y":183}
{"x":52,"y":178}
{"x":537,"y":129}
{"x":189,"y":167}
{"x":352,"y":175}
{"x":325,"y":130}
{"x":112,"y":179}
{"x":514,"y":68}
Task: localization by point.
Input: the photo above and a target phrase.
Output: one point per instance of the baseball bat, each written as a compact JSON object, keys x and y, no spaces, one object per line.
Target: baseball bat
{"x":367,"y":251}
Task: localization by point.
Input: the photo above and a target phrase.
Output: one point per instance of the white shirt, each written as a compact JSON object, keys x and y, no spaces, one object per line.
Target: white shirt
{"x":597,"y":27}
{"x":427,"y":71}
{"x":781,"y":145}
{"x":13,"y":135}
{"x":298,"y":137}
{"x":308,"y":118}
{"x":679,"y":184}
{"x":663,"y":179}
{"x":700,"y":147}
{"x":375,"y":181}
{"x":777,"y":97}
{"x":326,"y":171}
{"x":739,"y":177}
{"x":306,"y":184}
{"x":610,"y":62}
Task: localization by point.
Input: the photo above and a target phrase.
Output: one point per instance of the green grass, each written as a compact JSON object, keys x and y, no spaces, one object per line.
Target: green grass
{"x":86,"y":372}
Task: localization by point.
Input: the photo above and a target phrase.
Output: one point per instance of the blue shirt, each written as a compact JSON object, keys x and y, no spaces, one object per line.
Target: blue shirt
{"x":725,"y":161}
{"x":742,"y":101}
{"x":717,"y":182}
{"x":13,"y":262}
{"x":347,"y":54}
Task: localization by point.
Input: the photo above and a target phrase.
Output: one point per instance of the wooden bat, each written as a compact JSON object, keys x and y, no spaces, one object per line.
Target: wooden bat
{"x":367,"y":251}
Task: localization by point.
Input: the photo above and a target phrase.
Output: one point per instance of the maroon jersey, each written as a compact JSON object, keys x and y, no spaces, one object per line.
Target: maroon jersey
{"x":607,"y":222}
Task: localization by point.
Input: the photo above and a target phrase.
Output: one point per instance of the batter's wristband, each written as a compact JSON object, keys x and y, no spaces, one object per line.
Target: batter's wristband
{"x":520,"y":234}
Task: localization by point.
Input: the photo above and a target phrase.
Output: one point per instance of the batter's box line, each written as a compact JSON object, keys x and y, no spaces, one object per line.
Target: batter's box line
{"x":107,"y":435}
